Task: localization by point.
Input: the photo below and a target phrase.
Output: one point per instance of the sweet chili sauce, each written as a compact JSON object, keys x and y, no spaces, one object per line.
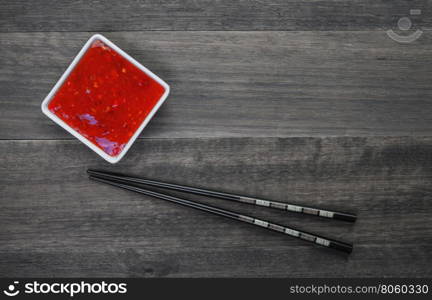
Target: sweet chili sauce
{"x":106,"y":98}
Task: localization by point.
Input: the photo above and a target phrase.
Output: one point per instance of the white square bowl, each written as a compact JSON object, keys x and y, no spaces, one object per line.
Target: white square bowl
{"x":52,"y":116}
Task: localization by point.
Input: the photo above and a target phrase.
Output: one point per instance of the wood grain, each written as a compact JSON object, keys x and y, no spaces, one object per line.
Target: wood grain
{"x":291,"y":100}
{"x":55,"y":222}
{"x":236,"y":84}
{"x":132,"y":15}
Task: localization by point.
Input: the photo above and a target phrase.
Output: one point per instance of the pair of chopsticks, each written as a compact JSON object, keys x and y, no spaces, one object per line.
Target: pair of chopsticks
{"x":135,"y":184}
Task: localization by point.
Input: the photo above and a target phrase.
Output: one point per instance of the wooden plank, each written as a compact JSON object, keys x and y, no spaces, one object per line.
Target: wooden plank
{"x":227,"y":84}
{"x":55,"y":222}
{"x":127,"y":15}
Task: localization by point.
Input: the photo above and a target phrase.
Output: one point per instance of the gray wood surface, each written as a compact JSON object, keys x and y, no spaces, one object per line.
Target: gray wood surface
{"x":295,"y":100}
{"x":240,"y":83}
{"x":133,"y":15}
{"x":55,"y":222}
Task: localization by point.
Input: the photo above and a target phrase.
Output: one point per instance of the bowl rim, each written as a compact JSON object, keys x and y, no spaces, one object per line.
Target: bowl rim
{"x":52,"y":116}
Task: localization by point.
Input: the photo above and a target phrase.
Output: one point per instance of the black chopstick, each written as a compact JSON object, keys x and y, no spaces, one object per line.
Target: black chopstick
{"x":226,"y":196}
{"x":313,"y":238}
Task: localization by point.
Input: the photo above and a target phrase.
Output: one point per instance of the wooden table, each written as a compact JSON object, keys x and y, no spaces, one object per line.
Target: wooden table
{"x":300,"y":101}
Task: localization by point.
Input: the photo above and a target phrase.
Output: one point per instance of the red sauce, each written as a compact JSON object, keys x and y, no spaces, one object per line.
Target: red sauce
{"x":106,"y":98}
